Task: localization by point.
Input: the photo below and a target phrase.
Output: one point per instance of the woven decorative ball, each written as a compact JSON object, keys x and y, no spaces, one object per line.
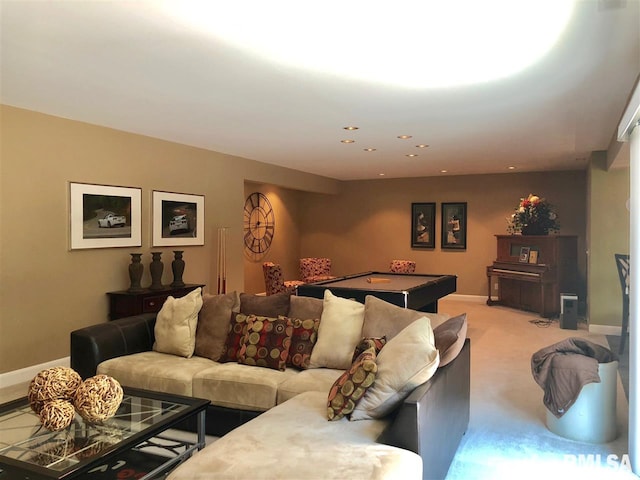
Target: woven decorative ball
{"x":57,"y":415}
{"x":98,"y":398}
{"x":57,"y":383}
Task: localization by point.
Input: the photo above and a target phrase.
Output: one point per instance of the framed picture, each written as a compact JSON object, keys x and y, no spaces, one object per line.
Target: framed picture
{"x":103,"y":216}
{"x":524,"y":254}
{"x":178,"y":219}
{"x":533,"y":256}
{"x":454,"y":226}
{"x":423,"y":225}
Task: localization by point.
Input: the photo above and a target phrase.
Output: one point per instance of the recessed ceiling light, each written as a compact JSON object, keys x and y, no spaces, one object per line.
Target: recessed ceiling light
{"x":404,"y":137}
{"x":348,"y":141}
{"x":422,"y":145}
{"x":381,"y":174}
{"x":351,"y":128}
{"x":444,"y":171}
{"x":511,"y":167}
{"x":411,"y":155}
{"x":369,"y":149}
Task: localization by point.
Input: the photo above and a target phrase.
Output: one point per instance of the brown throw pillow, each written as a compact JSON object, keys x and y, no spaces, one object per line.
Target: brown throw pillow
{"x":368,"y":342}
{"x":305,"y":307}
{"x":351,"y":386}
{"x":449,"y":338}
{"x":385,"y":319}
{"x":266,"y":343}
{"x":213,"y":324}
{"x":305,"y":334}
{"x":265,"y":306}
{"x":237,"y":329}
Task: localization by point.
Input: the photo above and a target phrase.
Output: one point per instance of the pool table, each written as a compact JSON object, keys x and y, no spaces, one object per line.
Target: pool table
{"x":408,"y":290}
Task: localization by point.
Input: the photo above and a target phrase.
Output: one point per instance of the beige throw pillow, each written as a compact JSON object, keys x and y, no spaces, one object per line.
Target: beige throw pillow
{"x":407,"y":360}
{"x":176,"y":323}
{"x":213,"y":323}
{"x":339,"y":332}
{"x":385,"y":319}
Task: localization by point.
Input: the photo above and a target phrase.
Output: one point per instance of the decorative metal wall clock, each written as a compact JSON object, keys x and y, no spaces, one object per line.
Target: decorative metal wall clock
{"x":259,"y":223}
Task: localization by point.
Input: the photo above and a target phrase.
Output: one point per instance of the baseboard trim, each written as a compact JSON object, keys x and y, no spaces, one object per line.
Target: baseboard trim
{"x":26,"y":374}
{"x":605,"y":329}
{"x":467,"y":298}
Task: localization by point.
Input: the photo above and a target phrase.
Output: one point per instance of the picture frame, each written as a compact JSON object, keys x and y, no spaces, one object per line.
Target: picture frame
{"x":524,"y":254}
{"x":533,"y":256}
{"x":104,"y":216}
{"x":454,"y":226}
{"x":178,"y":219}
{"x":423,"y":225}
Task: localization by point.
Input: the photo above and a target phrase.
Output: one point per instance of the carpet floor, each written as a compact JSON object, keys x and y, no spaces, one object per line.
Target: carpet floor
{"x":507,"y":436}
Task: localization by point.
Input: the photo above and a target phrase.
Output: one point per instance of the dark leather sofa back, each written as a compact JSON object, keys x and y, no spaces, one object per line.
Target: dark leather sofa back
{"x":92,"y":345}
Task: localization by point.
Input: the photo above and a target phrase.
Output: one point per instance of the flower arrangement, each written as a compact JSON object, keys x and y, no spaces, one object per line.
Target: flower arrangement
{"x":533,"y":216}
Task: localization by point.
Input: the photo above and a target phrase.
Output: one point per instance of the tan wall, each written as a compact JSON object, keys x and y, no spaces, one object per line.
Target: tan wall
{"x":608,"y":234}
{"x":46,"y":290}
{"x":369,"y":222}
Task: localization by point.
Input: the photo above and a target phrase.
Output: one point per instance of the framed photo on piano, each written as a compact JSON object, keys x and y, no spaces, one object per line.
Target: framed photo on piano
{"x":533,"y":256}
{"x":524,"y":254}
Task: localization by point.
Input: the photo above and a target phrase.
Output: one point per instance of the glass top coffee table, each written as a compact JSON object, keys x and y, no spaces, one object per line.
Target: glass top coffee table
{"x":29,"y":451}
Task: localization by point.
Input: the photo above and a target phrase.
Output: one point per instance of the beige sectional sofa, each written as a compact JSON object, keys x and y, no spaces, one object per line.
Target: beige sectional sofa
{"x":420,"y":421}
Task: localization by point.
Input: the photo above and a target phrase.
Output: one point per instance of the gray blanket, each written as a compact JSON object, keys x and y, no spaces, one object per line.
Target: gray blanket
{"x":562,"y":369}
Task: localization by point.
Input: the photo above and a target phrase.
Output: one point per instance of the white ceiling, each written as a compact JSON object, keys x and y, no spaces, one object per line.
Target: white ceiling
{"x":129,"y":66}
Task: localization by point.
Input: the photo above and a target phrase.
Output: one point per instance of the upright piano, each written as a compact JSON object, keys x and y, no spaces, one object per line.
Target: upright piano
{"x":532,"y":271}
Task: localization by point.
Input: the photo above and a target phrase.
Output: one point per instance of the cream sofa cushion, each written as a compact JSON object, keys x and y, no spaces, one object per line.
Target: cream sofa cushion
{"x":156,"y":371}
{"x":314,"y":379}
{"x":244,"y":387}
{"x":295,"y":441}
{"x":339,"y":332}
{"x":407,"y":360}
{"x":176,"y":323}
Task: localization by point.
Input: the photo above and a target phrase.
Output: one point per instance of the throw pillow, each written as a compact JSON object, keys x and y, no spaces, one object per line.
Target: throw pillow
{"x":339,"y":332}
{"x":265,"y":306}
{"x":266,"y":343}
{"x":450,"y":337}
{"x":303,"y":338}
{"x":176,"y":323}
{"x":385,"y":319}
{"x":305,"y":307}
{"x":407,"y":360}
{"x":213,"y":323}
{"x":369,"y":342}
{"x":237,"y":329}
{"x":350,"y":387}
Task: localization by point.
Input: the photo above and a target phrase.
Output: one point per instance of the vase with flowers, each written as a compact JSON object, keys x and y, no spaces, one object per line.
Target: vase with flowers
{"x":533,"y":216}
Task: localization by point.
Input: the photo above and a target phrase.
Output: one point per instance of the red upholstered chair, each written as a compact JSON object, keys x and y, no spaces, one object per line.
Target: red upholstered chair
{"x":315,"y":269}
{"x":274,"y":280}
{"x":402,"y":266}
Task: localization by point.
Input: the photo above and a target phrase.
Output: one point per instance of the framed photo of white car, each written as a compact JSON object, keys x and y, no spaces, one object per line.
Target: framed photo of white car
{"x":178,"y":219}
{"x":104,"y":216}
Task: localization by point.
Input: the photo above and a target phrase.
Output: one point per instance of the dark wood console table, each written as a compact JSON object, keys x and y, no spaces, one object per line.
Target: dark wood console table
{"x":125,"y":304}
{"x":533,"y":281}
